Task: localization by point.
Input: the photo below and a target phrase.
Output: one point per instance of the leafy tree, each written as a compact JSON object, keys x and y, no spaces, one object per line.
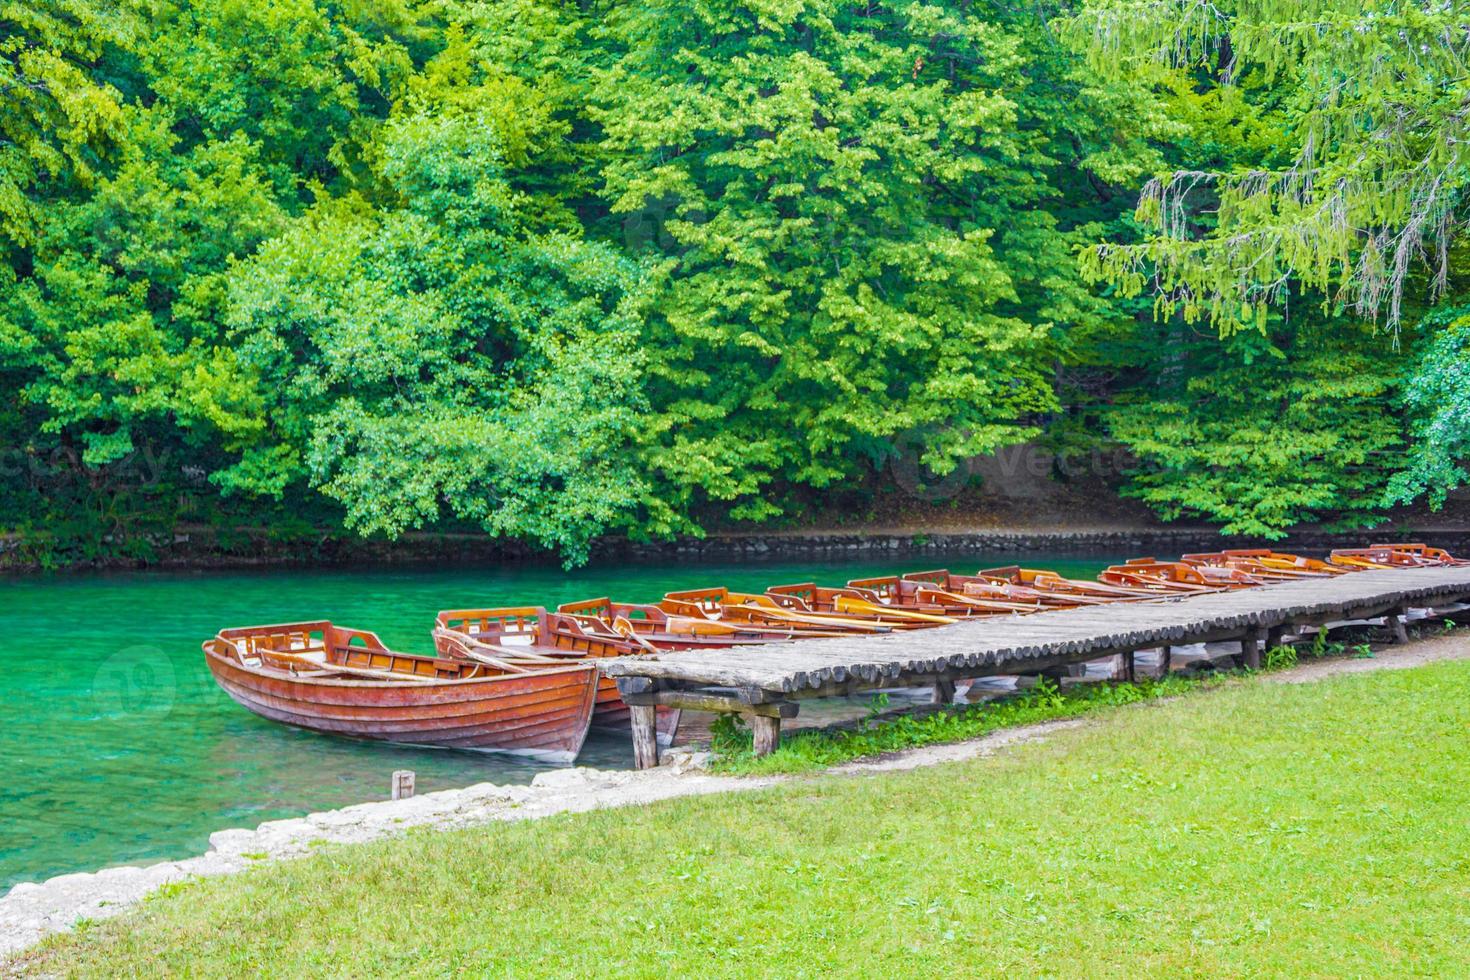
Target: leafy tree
{"x":1367,"y":101}
{"x":1262,"y":432}
{"x":1436,"y":395}
{"x":1357,"y":194}
{"x":58,"y":116}
{"x":133,"y":169}
{"x":305,"y":82}
{"x":558,"y":268}
{"x":851,"y":235}
{"x":435,"y":358}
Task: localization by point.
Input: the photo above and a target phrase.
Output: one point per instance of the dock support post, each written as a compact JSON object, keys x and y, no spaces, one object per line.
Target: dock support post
{"x":1166,"y":660}
{"x":767,"y":734}
{"x":1395,"y":623}
{"x":645,"y":735}
{"x":1130,"y":672}
{"x":1250,"y":648}
{"x":943,"y":691}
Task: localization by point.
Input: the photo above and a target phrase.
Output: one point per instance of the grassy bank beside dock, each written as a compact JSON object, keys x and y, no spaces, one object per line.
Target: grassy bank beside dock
{"x":1261,"y":828}
{"x":816,"y":749}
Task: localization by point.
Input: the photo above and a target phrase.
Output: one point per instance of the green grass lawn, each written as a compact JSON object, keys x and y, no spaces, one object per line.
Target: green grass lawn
{"x":1313,"y":829}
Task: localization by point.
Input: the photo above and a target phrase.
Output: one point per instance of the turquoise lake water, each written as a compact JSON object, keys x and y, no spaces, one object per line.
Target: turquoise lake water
{"x":119,"y":748}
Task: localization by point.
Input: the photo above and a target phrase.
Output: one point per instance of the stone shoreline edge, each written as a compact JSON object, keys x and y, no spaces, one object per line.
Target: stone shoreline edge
{"x":32,"y":910}
{"x":202,"y":548}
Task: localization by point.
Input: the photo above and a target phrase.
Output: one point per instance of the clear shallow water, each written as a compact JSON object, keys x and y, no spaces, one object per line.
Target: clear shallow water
{"x":118,"y":747}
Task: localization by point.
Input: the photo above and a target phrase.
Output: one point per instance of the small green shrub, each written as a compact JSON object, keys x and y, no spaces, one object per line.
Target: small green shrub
{"x":1281,"y":657}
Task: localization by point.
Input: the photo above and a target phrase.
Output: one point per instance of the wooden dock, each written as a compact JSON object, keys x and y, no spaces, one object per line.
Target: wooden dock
{"x":765,"y":683}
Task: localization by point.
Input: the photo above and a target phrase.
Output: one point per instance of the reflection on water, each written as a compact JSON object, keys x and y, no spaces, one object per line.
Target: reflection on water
{"x":120,"y":748}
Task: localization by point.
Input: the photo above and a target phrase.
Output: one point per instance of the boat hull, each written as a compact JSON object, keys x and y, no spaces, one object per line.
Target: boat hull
{"x":544,"y":714}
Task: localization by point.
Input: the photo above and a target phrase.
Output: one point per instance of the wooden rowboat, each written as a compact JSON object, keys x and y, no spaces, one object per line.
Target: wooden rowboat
{"x":749,"y":609}
{"x":342,"y":681}
{"x":517,"y":632}
{"x":855,"y":604}
{"x":979,"y":587}
{"x":1263,"y":564}
{"x":892,"y":590}
{"x":1171,"y":577}
{"x":1422,"y":553}
{"x":1359,"y":559}
{"x":1278,"y":561}
{"x":1044,"y":580}
{"x":648,"y":624}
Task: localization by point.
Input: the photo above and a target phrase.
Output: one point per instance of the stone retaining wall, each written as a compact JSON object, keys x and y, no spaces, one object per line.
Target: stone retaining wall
{"x":1160,"y":542}
{"x":203,"y":548}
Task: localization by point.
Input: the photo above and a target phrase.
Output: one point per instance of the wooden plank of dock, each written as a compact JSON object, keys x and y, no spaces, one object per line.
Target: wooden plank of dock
{"x":764,"y":681}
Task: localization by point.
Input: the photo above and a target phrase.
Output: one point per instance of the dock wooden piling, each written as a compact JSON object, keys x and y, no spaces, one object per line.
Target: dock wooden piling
{"x":1250,"y":649}
{"x":1395,"y":623}
{"x":644,"y":719}
{"x":767,"y":731}
{"x":765,"y":683}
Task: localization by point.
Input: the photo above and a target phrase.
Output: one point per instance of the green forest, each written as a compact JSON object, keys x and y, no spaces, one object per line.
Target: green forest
{"x":558,"y":270}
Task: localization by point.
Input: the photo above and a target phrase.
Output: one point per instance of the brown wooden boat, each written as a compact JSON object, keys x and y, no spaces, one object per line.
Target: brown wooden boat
{"x":745,"y":608}
{"x":979,"y":587}
{"x":1044,"y":580}
{"x":1280,"y":561}
{"x":663,"y":631}
{"x":1422,"y":554}
{"x":892,"y":590}
{"x":1360,"y":559}
{"x":1173,"y":577}
{"x":524,"y":631}
{"x":531,"y":633}
{"x":343,"y":681}
{"x":855,"y":604}
{"x":1261,"y":563}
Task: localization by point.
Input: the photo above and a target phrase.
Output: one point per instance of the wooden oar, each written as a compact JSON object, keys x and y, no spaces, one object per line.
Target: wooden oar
{"x":622,"y":626}
{"x":849,"y":604}
{"x":317,"y":665}
{"x":812,"y":619}
{"x":511,"y":666}
{"x":713,"y":627}
{"x":986,"y":605}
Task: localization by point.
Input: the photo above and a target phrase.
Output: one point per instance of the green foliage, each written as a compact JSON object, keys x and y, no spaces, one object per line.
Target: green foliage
{"x":1260,"y":433}
{"x":557,"y":270}
{"x":850,"y":234}
{"x":58,"y":120}
{"x":437,"y":356}
{"x":1281,"y":657}
{"x":1437,"y":397}
{"x":1367,"y":101}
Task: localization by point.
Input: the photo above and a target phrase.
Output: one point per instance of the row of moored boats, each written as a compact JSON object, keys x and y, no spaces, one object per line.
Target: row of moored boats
{"x":524,"y":679}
